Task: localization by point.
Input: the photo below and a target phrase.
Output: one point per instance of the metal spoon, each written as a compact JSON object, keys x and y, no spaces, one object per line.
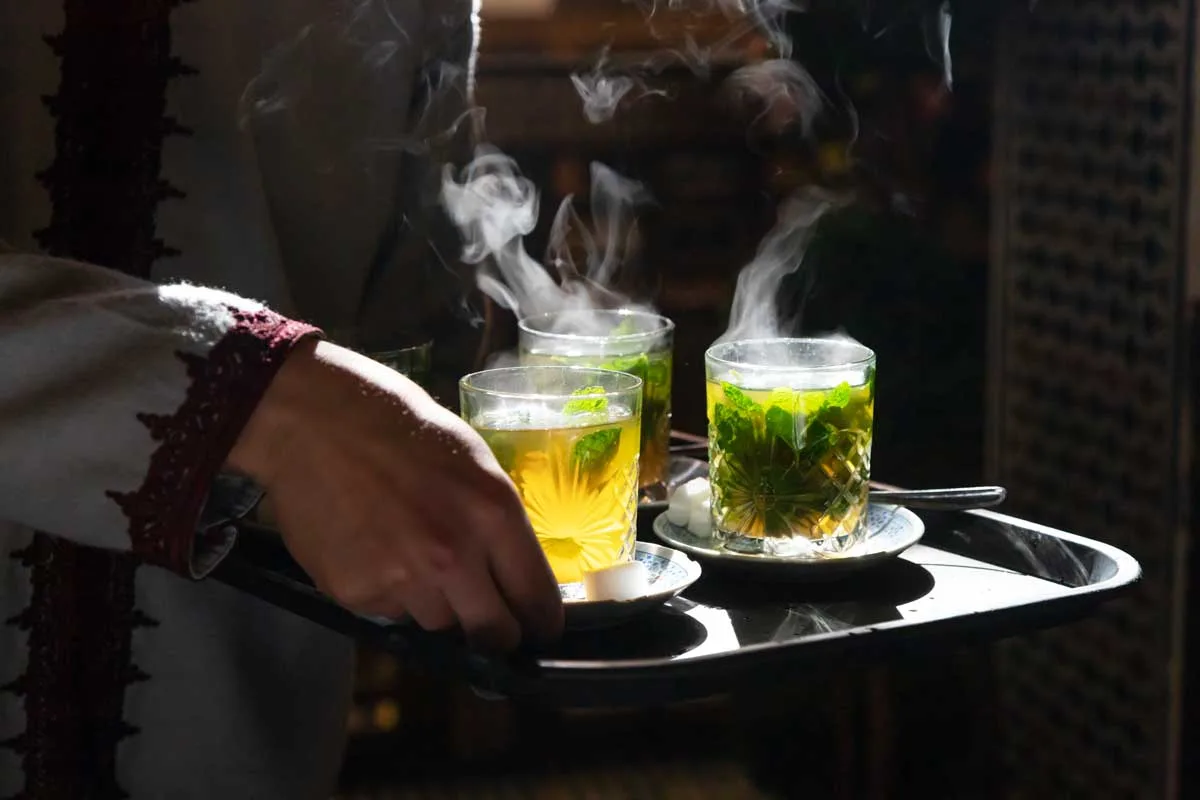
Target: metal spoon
{"x":957,"y":499}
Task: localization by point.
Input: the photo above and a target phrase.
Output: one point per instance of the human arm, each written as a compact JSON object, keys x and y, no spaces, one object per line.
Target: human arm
{"x":124,"y":400}
{"x":121,"y":400}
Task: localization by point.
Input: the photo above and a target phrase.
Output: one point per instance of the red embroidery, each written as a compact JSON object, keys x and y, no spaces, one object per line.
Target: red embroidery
{"x":110,"y":111}
{"x":83,"y":607}
{"x":53,"y":731}
{"x":226,"y":386}
{"x":104,"y":187}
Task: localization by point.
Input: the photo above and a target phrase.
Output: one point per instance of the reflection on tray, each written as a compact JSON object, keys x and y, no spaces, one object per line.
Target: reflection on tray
{"x":662,"y":633}
{"x":1022,"y":550}
{"x":892,"y":583}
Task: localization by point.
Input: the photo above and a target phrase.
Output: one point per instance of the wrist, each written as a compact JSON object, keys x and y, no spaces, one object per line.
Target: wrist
{"x":263,"y":442}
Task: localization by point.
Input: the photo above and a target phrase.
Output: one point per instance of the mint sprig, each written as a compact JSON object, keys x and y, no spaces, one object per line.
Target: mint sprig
{"x":595,"y":451}
{"x":774,"y":459}
{"x":588,"y":400}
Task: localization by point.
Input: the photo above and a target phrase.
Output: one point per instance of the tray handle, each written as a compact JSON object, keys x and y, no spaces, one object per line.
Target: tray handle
{"x":261,"y":566}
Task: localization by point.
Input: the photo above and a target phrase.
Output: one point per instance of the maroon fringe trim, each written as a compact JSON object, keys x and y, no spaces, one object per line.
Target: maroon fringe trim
{"x":225,"y":386}
{"x":110,"y":112}
{"x":83,"y":611}
{"x":105,"y":187}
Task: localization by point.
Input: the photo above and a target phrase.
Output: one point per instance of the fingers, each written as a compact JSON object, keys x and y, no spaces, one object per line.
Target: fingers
{"x":429,"y":609}
{"x":425,"y":605}
{"x":481,"y":610}
{"x":522,"y":574}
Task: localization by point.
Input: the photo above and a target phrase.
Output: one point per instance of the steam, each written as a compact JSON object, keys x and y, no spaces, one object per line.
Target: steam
{"x":754,"y":312}
{"x":346,"y":80}
{"x":783,"y":89}
{"x":495,"y":207}
{"x":279,"y":83}
{"x":601,"y":94}
{"x":808,"y":620}
{"x":937,"y":40}
{"x":603,"y":88}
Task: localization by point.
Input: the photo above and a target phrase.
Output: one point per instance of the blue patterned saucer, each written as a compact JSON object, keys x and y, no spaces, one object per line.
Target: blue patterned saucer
{"x":890,"y":531}
{"x":670,"y":572}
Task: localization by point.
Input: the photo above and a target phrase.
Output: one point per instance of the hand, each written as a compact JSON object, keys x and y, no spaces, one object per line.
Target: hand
{"x":394,"y":505}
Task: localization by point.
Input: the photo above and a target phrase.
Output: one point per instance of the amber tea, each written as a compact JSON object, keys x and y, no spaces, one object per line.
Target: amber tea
{"x":636,"y":342}
{"x":572,"y":452}
{"x":790,"y":425}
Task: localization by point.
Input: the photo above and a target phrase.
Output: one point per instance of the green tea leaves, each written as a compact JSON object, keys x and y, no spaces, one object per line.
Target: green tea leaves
{"x":779,"y":463}
{"x":626,"y":327}
{"x":637,"y":366}
{"x":738,"y":399}
{"x":595,"y":451}
{"x":658,"y":372}
{"x":839,"y":397}
{"x":588,"y":400}
{"x":782,"y":424}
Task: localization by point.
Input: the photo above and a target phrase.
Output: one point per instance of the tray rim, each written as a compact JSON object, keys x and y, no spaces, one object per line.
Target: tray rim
{"x":586,"y":682}
{"x":1128,"y":572}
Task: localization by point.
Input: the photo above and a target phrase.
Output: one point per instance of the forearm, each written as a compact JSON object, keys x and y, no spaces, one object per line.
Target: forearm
{"x":122,"y":400}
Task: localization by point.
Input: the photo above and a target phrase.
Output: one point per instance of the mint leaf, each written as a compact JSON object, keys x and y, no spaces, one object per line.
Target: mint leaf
{"x":625,"y":327}
{"x":781,"y":424}
{"x":585,"y":402}
{"x":737,"y":398}
{"x":658,"y":372}
{"x":732,"y":430}
{"x":839,"y":397}
{"x":818,"y":438}
{"x":637,"y":366}
{"x":594,"y":451}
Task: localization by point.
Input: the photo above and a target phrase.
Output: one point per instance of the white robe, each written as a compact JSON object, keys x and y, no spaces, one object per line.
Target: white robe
{"x":304,"y":181}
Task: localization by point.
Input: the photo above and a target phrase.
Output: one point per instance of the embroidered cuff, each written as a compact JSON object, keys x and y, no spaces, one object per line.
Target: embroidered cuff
{"x":225,"y":386}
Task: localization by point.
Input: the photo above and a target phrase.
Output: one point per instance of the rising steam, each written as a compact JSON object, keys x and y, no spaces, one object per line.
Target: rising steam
{"x":784,"y":91}
{"x":941,"y":21}
{"x":495,"y":207}
{"x":754,"y":313}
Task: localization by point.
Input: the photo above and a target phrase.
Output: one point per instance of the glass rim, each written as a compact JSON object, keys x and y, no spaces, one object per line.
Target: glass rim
{"x":412,"y":348}
{"x":465,"y":382}
{"x":867,"y":355}
{"x":666,"y":326}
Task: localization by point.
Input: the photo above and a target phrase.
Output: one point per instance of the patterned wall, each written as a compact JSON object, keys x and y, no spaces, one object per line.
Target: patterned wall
{"x":1087,"y":315}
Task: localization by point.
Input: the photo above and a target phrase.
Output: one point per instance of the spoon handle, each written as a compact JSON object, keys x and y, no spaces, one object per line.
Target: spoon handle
{"x":956,"y":499}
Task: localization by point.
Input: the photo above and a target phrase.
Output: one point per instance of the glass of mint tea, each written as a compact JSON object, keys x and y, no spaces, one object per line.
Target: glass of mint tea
{"x":568,"y":437}
{"x":636,"y":342}
{"x":789,"y":431}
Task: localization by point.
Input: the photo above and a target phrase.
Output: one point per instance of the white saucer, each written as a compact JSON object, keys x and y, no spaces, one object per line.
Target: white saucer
{"x":890,"y":531}
{"x":670,"y":572}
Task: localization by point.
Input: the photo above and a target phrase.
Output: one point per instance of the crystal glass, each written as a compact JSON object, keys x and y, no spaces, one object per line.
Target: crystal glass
{"x":569,"y":438}
{"x":636,"y":342}
{"x":413,"y":362}
{"x":789,"y":428}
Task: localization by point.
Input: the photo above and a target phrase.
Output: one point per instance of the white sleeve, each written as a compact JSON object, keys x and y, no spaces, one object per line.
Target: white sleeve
{"x":121,"y":400}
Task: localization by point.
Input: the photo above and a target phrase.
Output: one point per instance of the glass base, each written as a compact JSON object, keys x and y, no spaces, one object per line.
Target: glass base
{"x":785,"y":546}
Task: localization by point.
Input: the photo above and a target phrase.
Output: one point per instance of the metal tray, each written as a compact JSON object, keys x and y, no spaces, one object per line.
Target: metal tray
{"x":975,"y":576}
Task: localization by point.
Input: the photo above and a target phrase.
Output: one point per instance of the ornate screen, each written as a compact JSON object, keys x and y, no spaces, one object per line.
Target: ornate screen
{"x":1087,"y":373}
